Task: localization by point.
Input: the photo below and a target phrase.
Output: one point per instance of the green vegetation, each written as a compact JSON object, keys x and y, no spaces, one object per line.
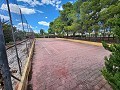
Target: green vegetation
{"x":7,"y":33}
{"x":111,"y":70}
{"x":42,"y":32}
{"x":19,"y":34}
{"x":37,"y":35}
{"x":93,"y":18}
{"x":86,"y":18}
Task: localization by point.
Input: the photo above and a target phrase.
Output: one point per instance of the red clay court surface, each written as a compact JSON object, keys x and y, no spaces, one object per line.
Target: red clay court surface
{"x":64,"y":65}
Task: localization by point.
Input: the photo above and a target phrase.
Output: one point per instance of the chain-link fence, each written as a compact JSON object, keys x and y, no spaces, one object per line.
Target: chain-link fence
{"x":17,"y":40}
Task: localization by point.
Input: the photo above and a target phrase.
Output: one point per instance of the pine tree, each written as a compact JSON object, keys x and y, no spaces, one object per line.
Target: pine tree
{"x":111,"y":71}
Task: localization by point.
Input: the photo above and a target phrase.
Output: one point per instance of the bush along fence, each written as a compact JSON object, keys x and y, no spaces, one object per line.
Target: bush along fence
{"x":16,"y":38}
{"x":111,"y":71}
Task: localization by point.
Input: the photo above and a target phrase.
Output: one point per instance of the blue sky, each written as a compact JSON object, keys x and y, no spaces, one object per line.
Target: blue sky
{"x":45,"y":12}
{"x":39,"y":13}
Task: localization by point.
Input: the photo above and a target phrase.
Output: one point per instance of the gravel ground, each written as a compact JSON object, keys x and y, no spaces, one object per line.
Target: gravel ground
{"x":64,"y":65}
{"x":13,"y":64}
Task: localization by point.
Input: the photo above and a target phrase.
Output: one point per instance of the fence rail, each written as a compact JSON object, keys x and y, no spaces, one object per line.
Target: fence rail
{"x":16,"y":37}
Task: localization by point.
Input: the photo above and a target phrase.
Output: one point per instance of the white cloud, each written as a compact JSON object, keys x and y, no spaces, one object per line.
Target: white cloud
{"x":44,"y":23}
{"x":39,"y":11}
{"x":4,"y":17}
{"x":46,"y":1}
{"x":46,"y":17}
{"x":27,"y":10}
{"x":33,"y":3}
{"x":20,"y":24}
{"x":58,"y":2}
{"x":15,"y":9}
{"x":71,"y":1}
{"x":55,"y":3}
{"x":20,"y":27}
{"x":59,"y":7}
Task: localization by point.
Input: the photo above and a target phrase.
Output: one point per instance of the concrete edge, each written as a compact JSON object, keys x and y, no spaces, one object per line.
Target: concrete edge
{"x":83,"y":42}
{"x":24,"y":79}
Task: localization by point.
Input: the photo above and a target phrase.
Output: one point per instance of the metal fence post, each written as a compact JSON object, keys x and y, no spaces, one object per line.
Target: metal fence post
{"x":24,"y":30}
{"x":4,"y":66}
{"x":18,"y":59}
{"x":28,"y":33}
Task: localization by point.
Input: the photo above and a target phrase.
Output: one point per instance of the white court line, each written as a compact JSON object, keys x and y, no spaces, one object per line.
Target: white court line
{"x":52,"y":48}
{"x":46,"y":49}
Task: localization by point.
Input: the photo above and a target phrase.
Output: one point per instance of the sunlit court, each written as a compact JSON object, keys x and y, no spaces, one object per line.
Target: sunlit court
{"x":59,"y":44}
{"x":65,"y":65}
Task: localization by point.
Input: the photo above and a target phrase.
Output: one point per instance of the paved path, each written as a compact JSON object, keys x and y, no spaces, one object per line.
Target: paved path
{"x":64,"y":65}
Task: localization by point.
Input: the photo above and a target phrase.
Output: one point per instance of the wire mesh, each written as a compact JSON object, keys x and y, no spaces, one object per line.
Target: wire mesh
{"x":23,"y":35}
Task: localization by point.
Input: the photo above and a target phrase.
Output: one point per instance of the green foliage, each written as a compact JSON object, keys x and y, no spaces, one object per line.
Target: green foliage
{"x":113,"y":80}
{"x":111,"y":71}
{"x":19,"y":35}
{"x":37,"y":35}
{"x":7,"y":33}
{"x":7,"y":36}
{"x":41,"y":32}
{"x":86,"y":16}
{"x":50,"y":31}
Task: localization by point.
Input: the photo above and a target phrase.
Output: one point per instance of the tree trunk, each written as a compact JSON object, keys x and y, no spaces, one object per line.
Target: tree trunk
{"x":73,"y":35}
{"x":67,"y":34}
{"x":85,"y":37}
{"x":103,"y":35}
{"x":95,"y":36}
{"x":89,"y":36}
{"x":54,"y":35}
{"x":108,"y":37}
{"x":81,"y":35}
{"x":113,"y":37}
